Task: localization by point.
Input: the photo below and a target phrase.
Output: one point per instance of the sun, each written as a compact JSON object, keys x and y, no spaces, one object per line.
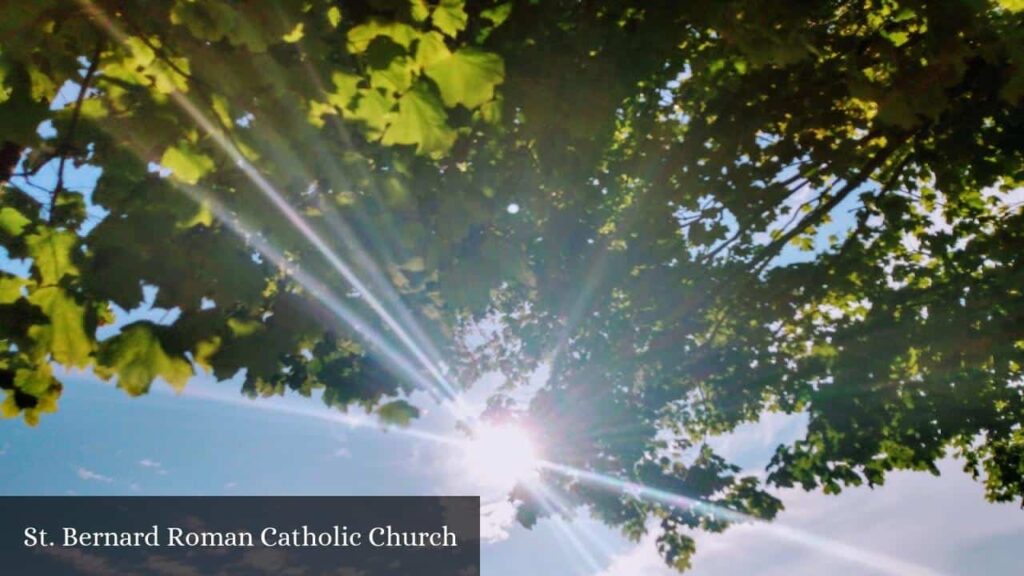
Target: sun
{"x":501,"y":456}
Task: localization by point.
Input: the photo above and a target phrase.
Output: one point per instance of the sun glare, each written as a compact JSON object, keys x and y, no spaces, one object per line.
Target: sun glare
{"x":501,"y":456}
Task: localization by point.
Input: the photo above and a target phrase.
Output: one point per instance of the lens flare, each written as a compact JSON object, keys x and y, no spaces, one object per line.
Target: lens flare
{"x":501,"y":456}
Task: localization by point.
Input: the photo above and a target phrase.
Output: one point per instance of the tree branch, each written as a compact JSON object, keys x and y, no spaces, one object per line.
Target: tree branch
{"x":816,"y":215}
{"x":76,"y":114}
{"x":10,"y":153}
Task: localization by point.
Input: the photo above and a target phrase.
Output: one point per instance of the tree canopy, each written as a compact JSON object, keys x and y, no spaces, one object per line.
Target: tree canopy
{"x":692,"y":213}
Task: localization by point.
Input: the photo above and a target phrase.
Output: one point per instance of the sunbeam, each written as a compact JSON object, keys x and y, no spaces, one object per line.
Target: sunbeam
{"x":451,"y":397}
{"x":559,"y":509}
{"x":330,"y":416}
{"x":344,"y":313}
{"x":337,"y":225}
{"x":316,"y":288}
{"x":647,"y":493}
{"x":880,"y":562}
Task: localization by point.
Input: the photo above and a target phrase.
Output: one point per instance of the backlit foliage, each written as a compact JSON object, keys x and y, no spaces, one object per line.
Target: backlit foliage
{"x":722,"y":209}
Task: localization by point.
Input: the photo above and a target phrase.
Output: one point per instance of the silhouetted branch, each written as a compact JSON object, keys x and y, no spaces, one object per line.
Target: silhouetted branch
{"x":76,"y":114}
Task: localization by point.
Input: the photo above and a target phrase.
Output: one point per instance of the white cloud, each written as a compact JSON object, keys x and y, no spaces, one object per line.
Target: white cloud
{"x":147,"y":463}
{"x":496,"y":518}
{"x":752,"y":444}
{"x":86,"y":474}
{"x":915,"y":524}
{"x":640,"y":559}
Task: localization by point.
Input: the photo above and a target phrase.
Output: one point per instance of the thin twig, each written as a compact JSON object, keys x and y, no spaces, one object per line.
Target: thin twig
{"x":75,"y":115}
{"x":825,"y":207}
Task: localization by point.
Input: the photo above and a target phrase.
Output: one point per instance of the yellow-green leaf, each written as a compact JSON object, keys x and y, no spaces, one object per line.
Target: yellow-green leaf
{"x":295,"y":35}
{"x":186,"y":163}
{"x":204,"y":351}
{"x":34,"y":381}
{"x":64,"y":338}
{"x":345,"y":88}
{"x":220,"y":108}
{"x":12,"y":221}
{"x":244,"y":327}
{"x":11,"y":288}
{"x":497,"y":14}
{"x":51,"y":255}
{"x":1012,"y":5}
{"x":202,"y":216}
{"x":93,"y":109}
{"x":450,"y":17}
{"x":396,"y":76}
{"x":9,"y":408}
{"x":373,"y":109}
{"x":334,"y":16}
{"x":5,"y":90}
{"x":398,"y":413}
{"x":420,"y":121}
{"x":419,"y":10}
{"x":359,"y":37}
{"x":137,"y":357}
{"x":431,"y":48}
{"x":468,"y":77}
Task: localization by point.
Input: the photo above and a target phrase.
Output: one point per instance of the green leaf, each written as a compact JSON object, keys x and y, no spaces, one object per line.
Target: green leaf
{"x":137,"y":357}
{"x":203,"y":216}
{"x":64,"y":338}
{"x":468,"y":77}
{"x":186,"y":163}
{"x":244,"y":328}
{"x":1012,"y":5}
{"x":295,"y":35}
{"x":5,"y":91}
{"x":9,"y":407}
{"x":420,"y":121}
{"x":142,"y":66}
{"x":334,"y":16}
{"x":497,"y":14}
{"x":450,"y":17}
{"x":395,"y":76}
{"x":11,"y":288}
{"x":419,"y":10}
{"x":35,"y":382}
{"x":359,"y":37}
{"x":345,"y":88}
{"x":221,"y":109}
{"x":20,"y":113}
{"x":431,"y":48}
{"x":374,"y":110}
{"x":12,"y":221}
{"x":398,"y":413}
{"x":51,"y":255}
{"x":205,"y":20}
{"x":140,"y":54}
